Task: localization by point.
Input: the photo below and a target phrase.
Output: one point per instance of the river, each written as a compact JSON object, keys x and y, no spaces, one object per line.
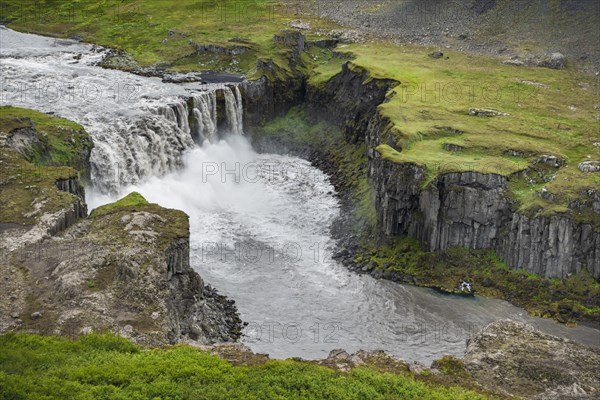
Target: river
{"x":259,"y":222}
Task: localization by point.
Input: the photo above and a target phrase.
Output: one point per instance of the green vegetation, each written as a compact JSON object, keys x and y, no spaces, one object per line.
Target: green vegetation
{"x":575,"y":299}
{"x":571,"y":300}
{"x":110,"y":222}
{"x":104,"y":366}
{"x":53,"y":149}
{"x":551,"y":112}
{"x":167,"y":33}
{"x":133,"y":199}
{"x":57,"y":141}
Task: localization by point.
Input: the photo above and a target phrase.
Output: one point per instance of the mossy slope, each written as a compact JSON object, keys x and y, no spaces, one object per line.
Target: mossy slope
{"x":54,"y":149}
{"x":550,"y":112}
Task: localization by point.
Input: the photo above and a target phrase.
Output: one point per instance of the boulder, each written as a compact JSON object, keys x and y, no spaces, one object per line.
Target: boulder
{"x":517,"y":359}
{"x":554,"y":61}
{"x":590,"y":166}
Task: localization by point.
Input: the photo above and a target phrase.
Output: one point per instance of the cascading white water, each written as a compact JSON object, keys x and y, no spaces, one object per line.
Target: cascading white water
{"x":205,"y":114}
{"x":234,"y":109}
{"x":140,"y":126}
{"x":297,"y":299}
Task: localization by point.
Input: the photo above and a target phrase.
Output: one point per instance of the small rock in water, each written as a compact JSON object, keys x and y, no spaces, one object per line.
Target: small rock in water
{"x":465,"y":287}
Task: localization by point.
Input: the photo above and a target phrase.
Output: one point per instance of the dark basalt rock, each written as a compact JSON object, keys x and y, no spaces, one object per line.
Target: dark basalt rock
{"x":468,"y":209}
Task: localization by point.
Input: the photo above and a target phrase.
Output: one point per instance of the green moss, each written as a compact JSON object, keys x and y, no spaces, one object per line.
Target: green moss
{"x":133,"y":199}
{"x":108,"y":222}
{"x":430,"y":107}
{"x":59,"y":142}
{"x":450,"y":365}
{"x":164,"y":32}
{"x":29,"y":179}
{"x":105,"y":366}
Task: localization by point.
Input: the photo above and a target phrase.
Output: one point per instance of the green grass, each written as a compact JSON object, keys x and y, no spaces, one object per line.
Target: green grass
{"x":430,"y":108}
{"x":108,"y":222}
{"x":427,"y":110}
{"x":29,"y":178}
{"x":104,"y":366}
{"x":62,"y":142}
{"x":163,"y":31}
{"x":131,"y":200}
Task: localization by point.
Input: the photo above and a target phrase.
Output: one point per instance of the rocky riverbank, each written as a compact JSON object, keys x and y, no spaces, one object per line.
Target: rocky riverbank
{"x":505,"y":359}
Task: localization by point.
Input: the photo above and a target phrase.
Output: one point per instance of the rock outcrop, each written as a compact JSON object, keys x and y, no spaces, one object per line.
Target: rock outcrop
{"x":349,"y":99}
{"x":271,"y":95}
{"x":514,"y":358}
{"x":124,"y":270}
{"x":469,"y":209}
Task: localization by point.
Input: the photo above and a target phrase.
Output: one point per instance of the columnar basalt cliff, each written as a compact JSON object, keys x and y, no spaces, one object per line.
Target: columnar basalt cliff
{"x":468,"y":209}
{"x":270,"y":96}
{"x":350,"y":99}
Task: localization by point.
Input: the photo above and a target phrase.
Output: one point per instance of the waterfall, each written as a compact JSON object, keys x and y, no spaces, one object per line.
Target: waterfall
{"x":141,"y":127}
{"x":240,"y":110}
{"x":234,"y":110}
{"x":205,"y":116}
{"x":127,"y":151}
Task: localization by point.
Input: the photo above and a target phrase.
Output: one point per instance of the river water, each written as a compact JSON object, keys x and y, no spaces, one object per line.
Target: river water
{"x":259,"y":222}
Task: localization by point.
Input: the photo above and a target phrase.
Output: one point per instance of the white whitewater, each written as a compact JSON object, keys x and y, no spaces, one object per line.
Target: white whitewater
{"x":234,"y":107}
{"x":205,"y":113}
{"x":259,"y":222}
{"x":140,"y":126}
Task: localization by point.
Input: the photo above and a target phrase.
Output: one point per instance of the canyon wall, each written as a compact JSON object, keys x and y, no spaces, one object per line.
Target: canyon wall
{"x":468,"y":209}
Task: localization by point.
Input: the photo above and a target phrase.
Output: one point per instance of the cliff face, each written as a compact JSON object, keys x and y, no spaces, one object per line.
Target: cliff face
{"x":349,"y":99}
{"x":469,"y":209}
{"x":125,"y":269}
{"x":550,"y":246}
{"x":270,"y":96}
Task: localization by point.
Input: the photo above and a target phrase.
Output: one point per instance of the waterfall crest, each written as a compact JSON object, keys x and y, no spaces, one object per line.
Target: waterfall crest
{"x":204,"y":116}
{"x":128,"y":152}
{"x":140,"y":126}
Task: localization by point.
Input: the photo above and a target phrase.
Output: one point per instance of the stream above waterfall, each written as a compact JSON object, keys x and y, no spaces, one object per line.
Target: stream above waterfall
{"x":259,"y":223}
